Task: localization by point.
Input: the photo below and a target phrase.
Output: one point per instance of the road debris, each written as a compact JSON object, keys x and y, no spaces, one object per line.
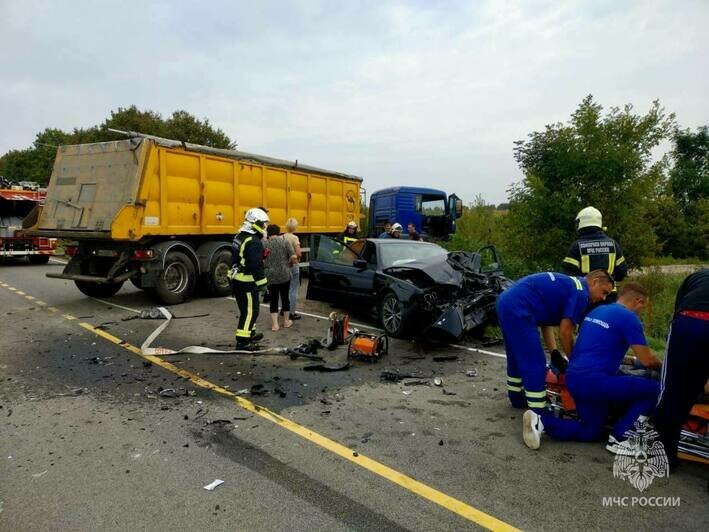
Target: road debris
{"x":212,"y":485}
{"x":437,"y":381}
{"x":389,"y":375}
{"x":445,"y":358}
{"x":472,"y":372}
{"x":38,"y":475}
{"x":417,"y":382}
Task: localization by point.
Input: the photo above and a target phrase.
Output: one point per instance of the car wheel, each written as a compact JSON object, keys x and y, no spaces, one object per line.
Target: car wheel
{"x":177,"y":279}
{"x":97,"y":289}
{"x":393,"y":315}
{"x":218,"y":284}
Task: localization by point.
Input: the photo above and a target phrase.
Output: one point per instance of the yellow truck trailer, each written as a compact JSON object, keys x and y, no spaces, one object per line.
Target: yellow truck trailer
{"x":162,"y":213}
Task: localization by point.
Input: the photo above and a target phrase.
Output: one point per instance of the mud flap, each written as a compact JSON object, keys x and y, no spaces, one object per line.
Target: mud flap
{"x":451,"y":322}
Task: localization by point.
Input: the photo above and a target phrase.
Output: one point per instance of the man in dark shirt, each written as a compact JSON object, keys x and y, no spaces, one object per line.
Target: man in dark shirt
{"x":593,"y":249}
{"x":686,"y":367}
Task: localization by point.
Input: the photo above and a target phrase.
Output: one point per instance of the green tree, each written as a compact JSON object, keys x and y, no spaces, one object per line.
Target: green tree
{"x":35,"y":163}
{"x":682,"y":218}
{"x":598,"y":159}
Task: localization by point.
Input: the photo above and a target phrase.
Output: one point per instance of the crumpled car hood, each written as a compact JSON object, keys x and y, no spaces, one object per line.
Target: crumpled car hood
{"x":437,"y":269}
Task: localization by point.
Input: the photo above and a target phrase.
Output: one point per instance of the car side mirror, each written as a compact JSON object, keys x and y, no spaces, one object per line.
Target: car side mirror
{"x":360,"y":264}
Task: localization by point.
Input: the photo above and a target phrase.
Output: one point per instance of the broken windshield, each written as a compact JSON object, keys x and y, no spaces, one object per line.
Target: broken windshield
{"x":401,"y":254}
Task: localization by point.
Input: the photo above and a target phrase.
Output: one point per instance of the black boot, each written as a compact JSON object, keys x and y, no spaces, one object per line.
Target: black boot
{"x":245,"y":344}
{"x":255,"y":337}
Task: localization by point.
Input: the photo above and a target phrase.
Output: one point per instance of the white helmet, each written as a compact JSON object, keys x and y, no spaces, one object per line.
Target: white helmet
{"x":589,"y":217}
{"x":255,"y":221}
{"x":396,"y":227}
{"x":352,"y":224}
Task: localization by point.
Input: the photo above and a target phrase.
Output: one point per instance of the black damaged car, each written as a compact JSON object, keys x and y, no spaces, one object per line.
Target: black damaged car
{"x":415,"y":288}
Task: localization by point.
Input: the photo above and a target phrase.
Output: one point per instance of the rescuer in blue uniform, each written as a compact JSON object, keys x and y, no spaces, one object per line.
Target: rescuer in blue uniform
{"x":593,"y":380}
{"x":248,"y":275}
{"x":686,"y":367}
{"x":595,"y":250}
{"x":548,"y":300}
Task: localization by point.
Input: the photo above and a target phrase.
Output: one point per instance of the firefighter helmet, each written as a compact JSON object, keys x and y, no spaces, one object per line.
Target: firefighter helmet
{"x":589,"y":217}
{"x":255,"y":220}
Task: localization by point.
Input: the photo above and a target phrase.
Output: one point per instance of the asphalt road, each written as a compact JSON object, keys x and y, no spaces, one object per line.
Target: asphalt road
{"x":95,"y":437}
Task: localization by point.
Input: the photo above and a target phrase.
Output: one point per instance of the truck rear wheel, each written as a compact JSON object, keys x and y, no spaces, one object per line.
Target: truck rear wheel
{"x":217,"y":282}
{"x":98,"y":290}
{"x":177,"y":280}
{"x":38,"y":259}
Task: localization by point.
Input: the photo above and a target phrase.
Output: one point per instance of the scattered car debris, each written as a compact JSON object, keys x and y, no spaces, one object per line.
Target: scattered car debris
{"x":328,"y":366}
{"x":445,"y":358}
{"x":167,"y":392}
{"x":389,"y":375}
{"x":258,"y":389}
{"x":417,"y":382}
{"x":212,"y":485}
{"x":472,"y":372}
{"x":437,"y":381}
{"x":446,"y":392}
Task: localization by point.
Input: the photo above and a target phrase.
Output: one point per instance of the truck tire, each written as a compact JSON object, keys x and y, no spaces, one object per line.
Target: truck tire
{"x":394,"y":316}
{"x":177,"y":280}
{"x":217,"y":283}
{"x":98,"y":290}
{"x":38,"y":259}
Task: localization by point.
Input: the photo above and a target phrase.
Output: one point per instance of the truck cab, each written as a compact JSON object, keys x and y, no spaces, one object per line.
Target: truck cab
{"x":432,"y":212}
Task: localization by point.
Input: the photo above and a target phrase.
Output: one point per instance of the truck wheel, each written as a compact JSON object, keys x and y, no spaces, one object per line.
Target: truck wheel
{"x":38,"y":259}
{"x":217,"y":282}
{"x":177,"y":280}
{"x":393,"y":315}
{"x":98,"y":290}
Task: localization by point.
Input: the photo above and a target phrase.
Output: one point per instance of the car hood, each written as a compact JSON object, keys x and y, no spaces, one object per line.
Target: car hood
{"x":437,"y":269}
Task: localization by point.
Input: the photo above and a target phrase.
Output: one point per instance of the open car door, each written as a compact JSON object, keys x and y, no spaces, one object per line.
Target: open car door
{"x":337,"y":274}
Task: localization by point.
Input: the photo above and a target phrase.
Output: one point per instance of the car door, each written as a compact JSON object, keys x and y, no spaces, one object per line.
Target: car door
{"x":333,"y":276}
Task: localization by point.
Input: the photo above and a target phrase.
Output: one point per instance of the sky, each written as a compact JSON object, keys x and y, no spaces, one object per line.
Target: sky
{"x":429,"y":93}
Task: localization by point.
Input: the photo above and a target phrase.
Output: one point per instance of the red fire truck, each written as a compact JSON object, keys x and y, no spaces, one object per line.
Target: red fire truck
{"x":16,"y":203}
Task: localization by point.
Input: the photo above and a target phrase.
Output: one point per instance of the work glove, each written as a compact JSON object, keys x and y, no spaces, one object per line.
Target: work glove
{"x":559,"y":361}
{"x":231,"y":274}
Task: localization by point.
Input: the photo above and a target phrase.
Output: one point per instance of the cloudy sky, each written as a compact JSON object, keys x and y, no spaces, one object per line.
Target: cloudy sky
{"x":430,"y":93}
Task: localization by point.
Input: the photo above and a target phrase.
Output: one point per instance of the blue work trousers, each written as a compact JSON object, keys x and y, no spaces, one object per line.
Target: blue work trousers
{"x":526,"y":361}
{"x":593,"y":394}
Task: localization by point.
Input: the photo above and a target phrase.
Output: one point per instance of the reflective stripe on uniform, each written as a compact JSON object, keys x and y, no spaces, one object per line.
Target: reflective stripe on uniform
{"x":620,"y":260}
{"x":536,"y":395}
{"x":511,"y":388}
{"x":536,"y":404}
{"x":249,"y":312}
{"x":261,"y":282}
{"x":572,"y":261}
{"x":241,"y":251}
{"x":578,"y":284}
{"x":611,"y":263}
{"x":244,"y":277}
{"x":585,"y":264}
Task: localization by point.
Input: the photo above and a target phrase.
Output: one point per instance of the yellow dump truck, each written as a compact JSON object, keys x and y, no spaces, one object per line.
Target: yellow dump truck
{"x":162,"y":213}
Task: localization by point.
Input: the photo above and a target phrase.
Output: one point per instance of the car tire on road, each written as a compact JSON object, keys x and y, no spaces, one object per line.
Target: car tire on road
{"x":177,"y":280}
{"x":217,"y":284}
{"x":393,"y":316}
{"x":98,"y":289}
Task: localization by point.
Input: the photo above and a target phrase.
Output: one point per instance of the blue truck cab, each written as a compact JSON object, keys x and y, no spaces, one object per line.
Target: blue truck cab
{"x":432,"y":212}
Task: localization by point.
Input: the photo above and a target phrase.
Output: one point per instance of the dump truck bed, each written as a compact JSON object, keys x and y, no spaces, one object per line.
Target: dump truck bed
{"x":147,"y":187}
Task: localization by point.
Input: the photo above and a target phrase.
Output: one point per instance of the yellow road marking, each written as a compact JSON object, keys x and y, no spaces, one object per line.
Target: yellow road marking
{"x":41,"y":303}
{"x":11,"y":288}
{"x":446,"y":501}
{"x":20,"y":292}
{"x":53,"y":309}
{"x":29,"y":297}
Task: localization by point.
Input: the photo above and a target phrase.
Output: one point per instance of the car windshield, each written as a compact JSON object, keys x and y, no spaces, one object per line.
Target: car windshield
{"x":401,"y":254}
